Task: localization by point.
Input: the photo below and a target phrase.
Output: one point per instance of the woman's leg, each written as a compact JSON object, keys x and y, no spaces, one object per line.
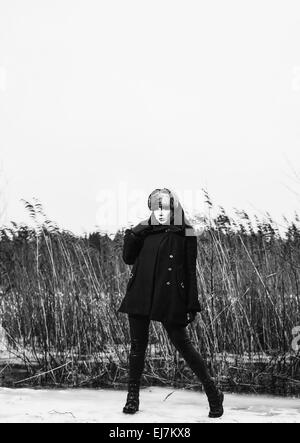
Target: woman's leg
{"x":180,"y":339}
{"x":139,"y":333}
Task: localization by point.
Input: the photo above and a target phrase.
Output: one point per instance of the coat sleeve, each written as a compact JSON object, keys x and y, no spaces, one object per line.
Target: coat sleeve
{"x":191,"y":261}
{"x":131,"y":246}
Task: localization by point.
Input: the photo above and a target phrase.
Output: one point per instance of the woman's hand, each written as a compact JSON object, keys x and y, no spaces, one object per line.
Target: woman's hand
{"x":141,"y":228}
{"x":191,"y":315}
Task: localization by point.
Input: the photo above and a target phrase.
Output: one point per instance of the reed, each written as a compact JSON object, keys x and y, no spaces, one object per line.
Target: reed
{"x":60,"y":293}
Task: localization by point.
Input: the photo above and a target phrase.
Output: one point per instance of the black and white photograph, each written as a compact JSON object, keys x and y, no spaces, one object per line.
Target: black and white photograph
{"x":149,"y":214}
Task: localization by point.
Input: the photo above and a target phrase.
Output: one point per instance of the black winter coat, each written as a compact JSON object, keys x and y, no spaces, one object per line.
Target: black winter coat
{"x":163,"y":282}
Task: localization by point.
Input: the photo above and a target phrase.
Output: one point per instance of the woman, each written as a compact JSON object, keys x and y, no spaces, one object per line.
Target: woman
{"x":163,"y":287}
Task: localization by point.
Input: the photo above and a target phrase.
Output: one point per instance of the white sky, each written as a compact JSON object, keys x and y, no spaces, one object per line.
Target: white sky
{"x":128,"y":96}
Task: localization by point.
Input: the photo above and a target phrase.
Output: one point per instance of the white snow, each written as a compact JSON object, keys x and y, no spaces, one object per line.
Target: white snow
{"x":156,"y":406}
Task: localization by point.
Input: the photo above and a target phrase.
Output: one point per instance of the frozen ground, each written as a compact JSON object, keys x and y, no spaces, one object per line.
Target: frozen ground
{"x":156,"y":406}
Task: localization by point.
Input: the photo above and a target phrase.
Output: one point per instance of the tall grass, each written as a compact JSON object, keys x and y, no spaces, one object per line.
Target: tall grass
{"x":60,"y":293}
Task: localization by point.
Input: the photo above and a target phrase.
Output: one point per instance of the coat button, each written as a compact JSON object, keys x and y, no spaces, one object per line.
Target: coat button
{"x":168,"y":283}
{"x":171,"y":256}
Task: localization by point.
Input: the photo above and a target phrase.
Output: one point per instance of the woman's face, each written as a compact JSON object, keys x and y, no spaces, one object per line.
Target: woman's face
{"x":162,"y":211}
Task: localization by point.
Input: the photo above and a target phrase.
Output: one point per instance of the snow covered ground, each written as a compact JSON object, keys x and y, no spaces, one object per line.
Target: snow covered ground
{"x":156,"y":406}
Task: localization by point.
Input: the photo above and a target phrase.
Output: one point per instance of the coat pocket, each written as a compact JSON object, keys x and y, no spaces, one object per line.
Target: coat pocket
{"x":132,"y":276}
{"x":180,"y":277}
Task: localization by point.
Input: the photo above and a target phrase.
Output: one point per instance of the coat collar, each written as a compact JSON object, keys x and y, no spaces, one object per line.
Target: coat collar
{"x":166,"y":228}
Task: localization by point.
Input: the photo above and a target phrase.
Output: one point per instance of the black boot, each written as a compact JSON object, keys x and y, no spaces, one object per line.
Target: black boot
{"x":215,"y":399}
{"x":132,"y":403}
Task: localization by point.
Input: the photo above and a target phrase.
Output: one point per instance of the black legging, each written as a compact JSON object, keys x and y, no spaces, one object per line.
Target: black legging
{"x":139,"y":332}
